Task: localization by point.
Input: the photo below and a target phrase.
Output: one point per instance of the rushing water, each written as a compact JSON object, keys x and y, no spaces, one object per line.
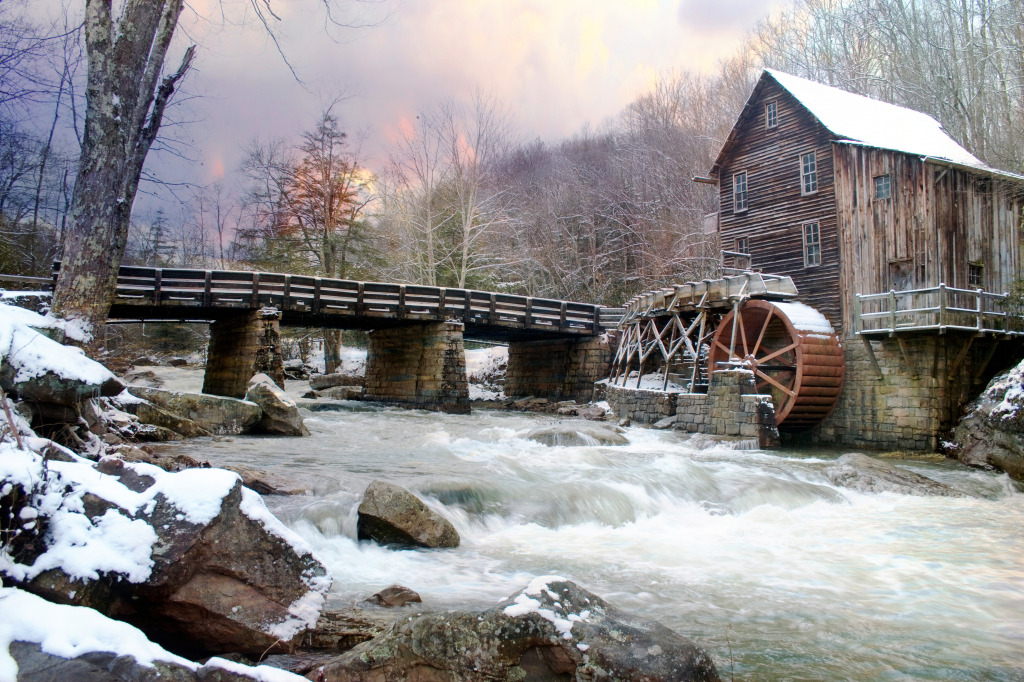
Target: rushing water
{"x":752,"y":554}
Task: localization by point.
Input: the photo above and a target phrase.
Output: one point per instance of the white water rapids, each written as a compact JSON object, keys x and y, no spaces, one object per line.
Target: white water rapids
{"x":754,"y":555}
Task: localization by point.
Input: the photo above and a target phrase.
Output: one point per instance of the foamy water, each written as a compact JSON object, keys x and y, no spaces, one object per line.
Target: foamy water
{"x":753,"y":554}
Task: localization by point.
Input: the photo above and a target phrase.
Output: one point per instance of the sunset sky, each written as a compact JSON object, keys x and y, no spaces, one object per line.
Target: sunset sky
{"x":556,"y":64}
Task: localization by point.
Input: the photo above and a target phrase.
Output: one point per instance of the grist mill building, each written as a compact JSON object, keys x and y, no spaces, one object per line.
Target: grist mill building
{"x":898,"y":235}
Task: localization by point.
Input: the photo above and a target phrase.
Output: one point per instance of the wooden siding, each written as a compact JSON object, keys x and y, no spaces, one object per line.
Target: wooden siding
{"x":777,"y":210}
{"x":937,"y":223}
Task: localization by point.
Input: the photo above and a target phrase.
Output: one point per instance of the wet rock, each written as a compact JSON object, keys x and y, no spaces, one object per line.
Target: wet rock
{"x":552,"y":630}
{"x":593,"y":413}
{"x":36,"y":665}
{"x":991,"y":435}
{"x":666,"y":423}
{"x":176,"y":362}
{"x":310,"y":395}
{"x":216,"y":414}
{"x":265,"y":482}
{"x":869,"y":475}
{"x":391,"y":515}
{"x":280,"y":414}
{"x":393,"y":596}
{"x":143,"y":378}
{"x":168,"y":462}
{"x":341,"y":629}
{"x":148,"y":413}
{"x":571,"y":434}
{"x":320,"y":382}
{"x":341,"y":393}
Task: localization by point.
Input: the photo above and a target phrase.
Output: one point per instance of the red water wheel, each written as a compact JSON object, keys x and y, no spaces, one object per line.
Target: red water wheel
{"x":794,"y":353}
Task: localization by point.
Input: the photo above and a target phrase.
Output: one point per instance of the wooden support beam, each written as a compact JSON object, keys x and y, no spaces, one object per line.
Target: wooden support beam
{"x":952,"y":370}
{"x":905,"y":352}
{"x":871,"y":356}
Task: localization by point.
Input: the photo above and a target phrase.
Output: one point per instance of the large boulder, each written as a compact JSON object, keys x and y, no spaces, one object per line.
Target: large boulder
{"x":192,"y":558}
{"x":869,"y":475}
{"x":54,"y":643}
{"x":391,"y":515}
{"x":214,"y":413}
{"x":991,"y":435}
{"x":280,"y":414}
{"x":320,"y":382}
{"x":569,"y":434}
{"x":552,"y":630}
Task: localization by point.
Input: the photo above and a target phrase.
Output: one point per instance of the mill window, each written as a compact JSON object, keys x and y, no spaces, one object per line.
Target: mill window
{"x":739,"y":191}
{"x":808,"y":173}
{"x":975,"y":275}
{"x":883,"y":187}
{"x":771,"y":115}
{"x":742,"y":245}
{"x":812,"y":245}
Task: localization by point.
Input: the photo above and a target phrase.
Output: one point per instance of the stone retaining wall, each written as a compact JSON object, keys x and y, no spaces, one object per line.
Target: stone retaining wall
{"x":731,"y":407}
{"x":422,"y":365}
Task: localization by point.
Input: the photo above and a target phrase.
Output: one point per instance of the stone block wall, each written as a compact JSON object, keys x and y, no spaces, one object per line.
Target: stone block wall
{"x":422,"y":365}
{"x":563,"y":369}
{"x":913,"y":400}
{"x":240,"y":346}
{"x":731,"y":407}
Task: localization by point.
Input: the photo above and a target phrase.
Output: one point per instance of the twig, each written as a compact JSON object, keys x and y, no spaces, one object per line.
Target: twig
{"x":10,"y":419}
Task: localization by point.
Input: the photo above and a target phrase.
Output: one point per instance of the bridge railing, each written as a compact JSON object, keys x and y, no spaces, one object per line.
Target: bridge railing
{"x":184,"y":288}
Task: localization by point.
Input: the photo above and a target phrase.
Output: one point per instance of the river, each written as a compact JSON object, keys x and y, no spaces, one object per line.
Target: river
{"x":753,"y":554}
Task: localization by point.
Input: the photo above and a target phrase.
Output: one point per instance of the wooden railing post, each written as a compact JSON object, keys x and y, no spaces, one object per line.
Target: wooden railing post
{"x":208,"y":289}
{"x":467,"y":310}
{"x":562,"y":314}
{"x":360,"y":294}
{"x":286,"y":302}
{"x":858,"y":310}
{"x":442,"y":294}
{"x":255,"y":303}
{"x":157,"y":280}
{"x":494,"y":308}
{"x":529,"y":313}
{"x":597,"y":329}
{"x":401,"y":301}
{"x":316,"y":296}
{"x":978,"y":307}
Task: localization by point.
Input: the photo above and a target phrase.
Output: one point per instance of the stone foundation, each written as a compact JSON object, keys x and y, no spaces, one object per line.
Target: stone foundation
{"x":910,"y":401}
{"x":563,"y":369}
{"x":241,"y":346}
{"x":731,"y":407}
{"x":422,"y":366}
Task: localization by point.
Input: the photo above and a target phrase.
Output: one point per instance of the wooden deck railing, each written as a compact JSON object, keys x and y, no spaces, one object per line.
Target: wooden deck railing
{"x":938,"y":308}
{"x":182,"y":288}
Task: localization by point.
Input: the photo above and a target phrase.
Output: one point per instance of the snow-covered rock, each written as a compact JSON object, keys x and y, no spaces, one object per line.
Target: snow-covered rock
{"x":43,"y":642}
{"x":280,"y":415}
{"x":552,"y":630}
{"x":991,"y":435}
{"x":192,"y":557}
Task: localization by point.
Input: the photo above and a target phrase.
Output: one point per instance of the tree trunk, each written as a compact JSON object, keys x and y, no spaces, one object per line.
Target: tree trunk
{"x":124,"y":109}
{"x":332,"y":350}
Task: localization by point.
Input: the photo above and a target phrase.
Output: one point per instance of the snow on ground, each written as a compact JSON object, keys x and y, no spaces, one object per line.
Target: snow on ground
{"x":654,"y":381}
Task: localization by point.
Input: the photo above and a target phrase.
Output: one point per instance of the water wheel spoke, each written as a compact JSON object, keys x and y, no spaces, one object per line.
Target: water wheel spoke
{"x":764,"y":328}
{"x":775,"y":383}
{"x":723,"y":347}
{"x":772,"y":356}
{"x":743,"y":334}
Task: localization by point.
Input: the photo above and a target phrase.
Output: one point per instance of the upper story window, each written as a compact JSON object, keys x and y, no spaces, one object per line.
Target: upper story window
{"x":742,"y":245}
{"x":883,"y":187}
{"x":812,"y":245}
{"x":771,"y":115}
{"x":975,"y":275}
{"x":739,"y":191}
{"x":808,"y":173}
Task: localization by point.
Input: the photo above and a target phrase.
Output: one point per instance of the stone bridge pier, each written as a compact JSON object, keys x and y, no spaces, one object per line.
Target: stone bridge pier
{"x":557,"y":369}
{"x":420,"y":366}
{"x":242,"y":345}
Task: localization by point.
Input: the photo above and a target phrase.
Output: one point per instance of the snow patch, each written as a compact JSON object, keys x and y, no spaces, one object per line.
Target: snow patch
{"x":805,"y":318}
{"x":525,"y":603}
{"x":33,"y":355}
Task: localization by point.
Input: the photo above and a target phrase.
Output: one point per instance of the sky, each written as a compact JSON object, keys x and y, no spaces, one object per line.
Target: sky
{"x":556,"y":64}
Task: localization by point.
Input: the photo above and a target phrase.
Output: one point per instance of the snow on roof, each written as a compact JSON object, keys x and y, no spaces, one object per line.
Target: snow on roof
{"x":873,"y":123}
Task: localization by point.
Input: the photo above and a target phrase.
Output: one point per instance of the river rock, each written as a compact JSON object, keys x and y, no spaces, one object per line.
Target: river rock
{"x":569,"y":434}
{"x":991,"y":435}
{"x":216,"y":414}
{"x":391,"y":515}
{"x":222,"y":574}
{"x":552,"y":630}
{"x":266,"y":482}
{"x":320,"y":382}
{"x":869,"y":475}
{"x":280,"y":414}
{"x":148,"y":413}
{"x":393,"y":596}
{"x":341,"y":393}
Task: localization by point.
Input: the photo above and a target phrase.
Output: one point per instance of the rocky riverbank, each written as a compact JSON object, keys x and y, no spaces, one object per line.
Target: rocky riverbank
{"x":122,"y":570}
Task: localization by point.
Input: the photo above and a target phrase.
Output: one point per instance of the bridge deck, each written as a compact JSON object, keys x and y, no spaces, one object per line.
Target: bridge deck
{"x":182,"y":294}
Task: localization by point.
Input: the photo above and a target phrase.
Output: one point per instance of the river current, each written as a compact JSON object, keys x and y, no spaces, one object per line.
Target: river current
{"x":752,"y":554}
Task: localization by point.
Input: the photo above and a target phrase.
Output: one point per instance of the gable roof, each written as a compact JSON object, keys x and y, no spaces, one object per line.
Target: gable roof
{"x":855,"y":119}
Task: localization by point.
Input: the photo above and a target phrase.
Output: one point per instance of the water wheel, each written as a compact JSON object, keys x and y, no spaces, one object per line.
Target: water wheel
{"x":794,"y":353}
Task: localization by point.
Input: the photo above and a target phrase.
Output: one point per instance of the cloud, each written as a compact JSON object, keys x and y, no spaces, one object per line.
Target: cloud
{"x":721,"y":15}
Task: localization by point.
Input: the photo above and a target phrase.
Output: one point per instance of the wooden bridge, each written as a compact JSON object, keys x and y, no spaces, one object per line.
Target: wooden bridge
{"x":146,"y":294}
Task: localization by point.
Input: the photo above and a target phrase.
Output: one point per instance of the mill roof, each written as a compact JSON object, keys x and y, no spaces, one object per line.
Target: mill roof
{"x":855,"y":119}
